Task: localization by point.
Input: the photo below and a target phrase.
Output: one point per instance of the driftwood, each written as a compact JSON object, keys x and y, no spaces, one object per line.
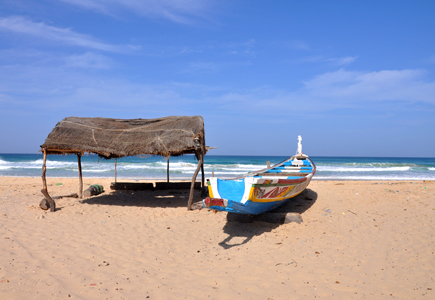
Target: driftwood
{"x":44,"y":204}
{"x":275,"y":218}
{"x":93,"y":190}
{"x":49,"y":201}
{"x":197,"y":205}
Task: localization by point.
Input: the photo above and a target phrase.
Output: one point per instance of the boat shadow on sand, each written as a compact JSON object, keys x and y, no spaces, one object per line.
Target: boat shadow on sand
{"x":242,"y":228}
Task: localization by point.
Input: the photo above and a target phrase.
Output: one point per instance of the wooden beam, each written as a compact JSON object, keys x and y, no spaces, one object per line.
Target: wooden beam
{"x":79,"y":160}
{"x":189,"y":203}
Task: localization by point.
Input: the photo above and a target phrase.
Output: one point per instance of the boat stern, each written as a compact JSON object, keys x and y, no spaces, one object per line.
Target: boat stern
{"x":215,"y":202}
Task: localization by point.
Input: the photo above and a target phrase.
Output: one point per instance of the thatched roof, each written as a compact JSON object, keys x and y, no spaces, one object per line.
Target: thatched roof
{"x":111,"y":138}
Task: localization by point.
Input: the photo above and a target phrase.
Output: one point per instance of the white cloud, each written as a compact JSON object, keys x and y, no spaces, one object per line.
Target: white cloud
{"x":48,"y":59}
{"x":202,"y":67}
{"x":386,"y":85}
{"x":14,"y":54}
{"x":56,"y":88}
{"x":181,"y":11}
{"x":298,"y":45}
{"x":242,"y":48}
{"x":50,"y":86}
{"x":336,"y":61}
{"x":343,"y":60}
{"x":88,"y":60}
{"x":22,"y":25}
{"x":336,"y":90}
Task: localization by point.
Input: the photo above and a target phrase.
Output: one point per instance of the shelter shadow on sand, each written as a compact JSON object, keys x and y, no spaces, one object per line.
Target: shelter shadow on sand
{"x":160,"y":198}
{"x":241,"y":232}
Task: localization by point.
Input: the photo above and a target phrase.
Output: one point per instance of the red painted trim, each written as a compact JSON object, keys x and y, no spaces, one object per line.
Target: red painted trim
{"x":214,"y":202}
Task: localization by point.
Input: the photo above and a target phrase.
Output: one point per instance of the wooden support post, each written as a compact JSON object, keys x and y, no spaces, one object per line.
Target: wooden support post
{"x":268,"y":164}
{"x":44,"y":169}
{"x":44,"y":191}
{"x":202,"y":171}
{"x":167,"y":169}
{"x":79,"y":160}
{"x":115,"y":169}
{"x":203,"y":187}
{"x":189,"y":203}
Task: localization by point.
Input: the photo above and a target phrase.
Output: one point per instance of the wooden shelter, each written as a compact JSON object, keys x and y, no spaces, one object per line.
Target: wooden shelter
{"x":115,"y":138}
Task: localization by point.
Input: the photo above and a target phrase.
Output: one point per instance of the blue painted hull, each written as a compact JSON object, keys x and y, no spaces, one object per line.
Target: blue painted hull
{"x":261,"y":191}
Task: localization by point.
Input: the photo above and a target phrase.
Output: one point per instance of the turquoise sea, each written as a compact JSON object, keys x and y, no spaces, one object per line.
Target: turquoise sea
{"x":183,"y":167}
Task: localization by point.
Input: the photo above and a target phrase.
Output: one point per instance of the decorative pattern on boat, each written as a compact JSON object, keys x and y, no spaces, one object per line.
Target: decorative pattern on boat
{"x":263,"y":190}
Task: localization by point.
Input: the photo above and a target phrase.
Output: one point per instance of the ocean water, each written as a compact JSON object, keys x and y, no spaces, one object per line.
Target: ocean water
{"x":183,"y":167}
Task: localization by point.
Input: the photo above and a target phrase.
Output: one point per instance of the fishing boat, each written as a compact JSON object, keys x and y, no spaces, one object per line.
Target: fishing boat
{"x":263,"y":190}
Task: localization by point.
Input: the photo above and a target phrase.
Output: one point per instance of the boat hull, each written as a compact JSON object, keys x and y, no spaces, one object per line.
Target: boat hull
{"x":264,"y":191}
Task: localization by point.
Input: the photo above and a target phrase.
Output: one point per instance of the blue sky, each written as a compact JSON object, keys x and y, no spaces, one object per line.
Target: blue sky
{"x":354,"y":78}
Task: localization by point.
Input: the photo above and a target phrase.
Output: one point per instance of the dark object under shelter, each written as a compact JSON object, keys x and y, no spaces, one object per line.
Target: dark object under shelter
{"x":115,"y":138}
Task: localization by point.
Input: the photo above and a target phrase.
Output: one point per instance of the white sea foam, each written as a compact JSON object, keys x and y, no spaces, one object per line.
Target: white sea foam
{"x":182,"y":166}
{"x":141,"y":167}
{"x":132,"y":167}
{"x":38,"y":161}
{"x":224,"y":173}
{"x":230,"y":167}
{"x":349,"y":169}
{"x":58,"y":163}
{"x":235,"y":167}
{"x":37,"y":164}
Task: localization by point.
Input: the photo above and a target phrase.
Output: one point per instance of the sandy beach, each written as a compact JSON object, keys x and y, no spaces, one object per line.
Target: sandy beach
{"x":357,"y":240}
